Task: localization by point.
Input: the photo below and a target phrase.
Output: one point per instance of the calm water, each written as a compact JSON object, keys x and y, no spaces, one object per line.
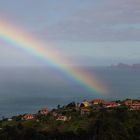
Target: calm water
{"x":24,"y":90}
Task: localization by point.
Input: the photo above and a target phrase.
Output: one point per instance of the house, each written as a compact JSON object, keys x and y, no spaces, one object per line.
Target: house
{"x":84,"y":104}
{"x":97,"y":101}
{"x":10,"y":119}
{"x":54,"y":114}
{"x":133,"y":104}
{"x":43,"y":111}
{"x":28,"y":117}
{"x":77,"y":106}
{"x":128,"y":102}
{"x":62,"y":118}
{"x":111,"y":104}
{"x":85,"y":111}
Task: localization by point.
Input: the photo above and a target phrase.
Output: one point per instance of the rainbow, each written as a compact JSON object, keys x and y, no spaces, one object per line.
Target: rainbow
{"x":25,"y":42}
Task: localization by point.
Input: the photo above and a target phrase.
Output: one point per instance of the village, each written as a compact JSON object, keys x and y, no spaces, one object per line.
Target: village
{"x":81,"y":120}
{"x":84,"y":108}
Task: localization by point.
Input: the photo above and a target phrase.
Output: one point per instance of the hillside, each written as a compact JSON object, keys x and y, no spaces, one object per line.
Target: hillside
{"x":93,"y":120}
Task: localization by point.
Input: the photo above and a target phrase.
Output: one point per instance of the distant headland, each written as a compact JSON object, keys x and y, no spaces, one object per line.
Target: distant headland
{"x":123,"y":65}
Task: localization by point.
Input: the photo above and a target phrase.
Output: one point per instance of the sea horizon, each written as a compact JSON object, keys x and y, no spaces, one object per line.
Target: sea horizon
{"x":27,"y":89}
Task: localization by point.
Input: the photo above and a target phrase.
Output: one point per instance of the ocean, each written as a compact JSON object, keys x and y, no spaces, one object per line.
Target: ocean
{"x":27,"y":89}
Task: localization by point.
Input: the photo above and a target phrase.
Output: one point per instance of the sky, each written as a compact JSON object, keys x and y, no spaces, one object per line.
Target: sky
{"x":86,"y":32}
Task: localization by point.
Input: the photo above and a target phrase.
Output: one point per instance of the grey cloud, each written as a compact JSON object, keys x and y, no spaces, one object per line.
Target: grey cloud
{"x":96,"y":23}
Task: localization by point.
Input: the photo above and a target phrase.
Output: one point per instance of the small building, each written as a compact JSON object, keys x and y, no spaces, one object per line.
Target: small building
{"x":133,"y":104}
{"x":43,"y":111}
{"x":111,"y":104}
{"x":28,"y":117}
{"x":54,"y":114}
{"x":77,"y":107}
{"x":84,"y":104}
{"x":97,"y":101}
{"x":62,"y":118}
{"x":85,"y":111}
{"x":10,"y":119}
{"x":128,"y":102}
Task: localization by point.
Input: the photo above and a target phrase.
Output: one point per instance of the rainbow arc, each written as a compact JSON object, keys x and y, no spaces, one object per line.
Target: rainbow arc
{"x":17,"y":38}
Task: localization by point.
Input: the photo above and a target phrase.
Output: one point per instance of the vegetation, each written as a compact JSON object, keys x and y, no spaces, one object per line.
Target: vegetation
{"x":119,"y":123}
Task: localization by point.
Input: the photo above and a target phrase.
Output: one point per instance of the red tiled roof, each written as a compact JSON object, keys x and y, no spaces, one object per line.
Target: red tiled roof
{"x":136,"y":102}
{"x":28,"y":116}
{"x":111,"y":103}
{"x":44,"y":109}
{"x":132,"y":102}
{"x":97,"y":101}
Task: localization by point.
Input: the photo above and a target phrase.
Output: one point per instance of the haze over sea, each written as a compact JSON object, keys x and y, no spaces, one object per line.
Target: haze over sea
{"x":27,"y":89}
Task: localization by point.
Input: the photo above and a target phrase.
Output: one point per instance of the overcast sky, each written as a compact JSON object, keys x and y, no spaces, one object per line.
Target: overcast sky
{"x":88,"y":32}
